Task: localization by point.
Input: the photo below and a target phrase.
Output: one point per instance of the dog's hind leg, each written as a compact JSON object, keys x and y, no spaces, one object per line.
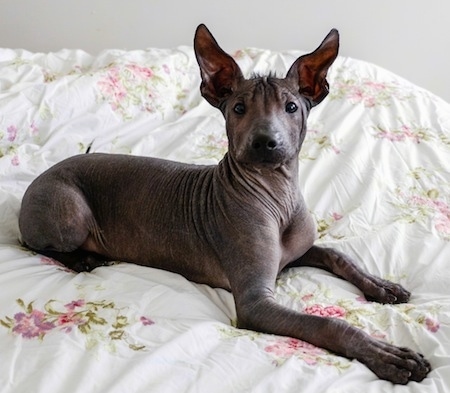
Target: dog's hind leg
{"x":57,"y":223}
{"x":373,"y":287}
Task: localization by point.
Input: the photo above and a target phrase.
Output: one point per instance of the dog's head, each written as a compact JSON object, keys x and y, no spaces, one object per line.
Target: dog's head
{"x":265,"y":116}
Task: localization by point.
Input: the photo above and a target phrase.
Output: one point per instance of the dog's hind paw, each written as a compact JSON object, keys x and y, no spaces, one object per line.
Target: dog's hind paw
{"x":87,"y":263}
{"x":78,"y":260}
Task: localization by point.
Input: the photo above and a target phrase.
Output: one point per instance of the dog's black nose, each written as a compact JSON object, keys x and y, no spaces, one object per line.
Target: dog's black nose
{"x":264,"y":143}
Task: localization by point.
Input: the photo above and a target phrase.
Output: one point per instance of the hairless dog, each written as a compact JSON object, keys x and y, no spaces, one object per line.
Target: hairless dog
{"x":235,"y":225}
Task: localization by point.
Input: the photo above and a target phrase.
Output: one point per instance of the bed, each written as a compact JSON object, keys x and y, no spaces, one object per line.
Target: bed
{"x":375,"y":172}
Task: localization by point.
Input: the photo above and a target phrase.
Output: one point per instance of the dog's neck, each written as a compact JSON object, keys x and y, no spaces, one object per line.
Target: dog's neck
{"x":275,"y":186}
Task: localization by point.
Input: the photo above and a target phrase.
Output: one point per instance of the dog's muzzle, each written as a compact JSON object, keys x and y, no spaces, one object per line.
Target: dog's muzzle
{"x":265,"y":147}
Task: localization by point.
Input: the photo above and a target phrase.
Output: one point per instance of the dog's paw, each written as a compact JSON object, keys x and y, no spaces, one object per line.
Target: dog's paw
{"x":387,"y":292}
{"x":395,"y":364}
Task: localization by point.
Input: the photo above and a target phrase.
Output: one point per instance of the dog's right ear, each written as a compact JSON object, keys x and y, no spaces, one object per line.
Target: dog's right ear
{"x":220,"y":73}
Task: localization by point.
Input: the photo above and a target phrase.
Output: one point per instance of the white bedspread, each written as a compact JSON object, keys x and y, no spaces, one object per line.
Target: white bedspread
{"x":375,"y":170}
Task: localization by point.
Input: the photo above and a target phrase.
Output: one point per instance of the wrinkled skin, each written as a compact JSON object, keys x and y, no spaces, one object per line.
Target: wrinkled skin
{"x":235,"y":225}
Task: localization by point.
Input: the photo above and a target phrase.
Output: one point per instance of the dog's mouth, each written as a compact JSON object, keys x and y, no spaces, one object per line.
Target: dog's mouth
{"x":265,"y":157}
{"x":263,"y":168}
{"x":271,"y":162}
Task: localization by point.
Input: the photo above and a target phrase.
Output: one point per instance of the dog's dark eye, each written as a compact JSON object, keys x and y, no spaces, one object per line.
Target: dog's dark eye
{"x":291,"y":107}
{"x":239,"y":109}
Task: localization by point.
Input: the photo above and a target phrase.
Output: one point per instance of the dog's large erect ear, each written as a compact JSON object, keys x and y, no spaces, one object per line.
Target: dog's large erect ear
{"x":311,"y":70}
{"x":219,"y":71}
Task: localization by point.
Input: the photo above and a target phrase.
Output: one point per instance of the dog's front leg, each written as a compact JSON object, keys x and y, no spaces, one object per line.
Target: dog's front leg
{"x":257,"y":310}
{"x":373,"y":287}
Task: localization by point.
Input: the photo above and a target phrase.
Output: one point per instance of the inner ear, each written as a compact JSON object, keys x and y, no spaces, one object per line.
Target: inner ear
{"x":310,"y":71}
{"x":219,"y":72}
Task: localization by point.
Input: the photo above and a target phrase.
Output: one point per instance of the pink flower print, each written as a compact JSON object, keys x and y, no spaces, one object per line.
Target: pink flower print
{"x":68,"y":320}
{"x":379,"y":335}
{"x":33,"y":128}
{"x":408,"y":132}
{"x":101,"y":318}
{"x":367,"y":92}
{"x":443,"y":226}
{"x":128,"y":88}
{"x":375,"y":85}
{"x":440,"y":205}
{"x":166,"y":69}
{"x":71,"y":318}
{"x":31,"y":325}
{"x":15,"y":160}
{"x":111,"y":86}
{"x":54,"y":262}
{"x":443,"y":220}
{"x":356,"y":94}
{"x":328,"y":311}
{"x":287,"y":347}
{"x":432,"y":324}
{"x":141,"y":72}
{"x":404,"y":133}
{"x":146,"y":321}
{"x":75,"y":304}
{"x":307,"y":297}
{"x":370,"y":102}
{"x":336,"y":149}
{"x":336,"y":216}
{"x":419,"y":200}
{"x":12,"y":133}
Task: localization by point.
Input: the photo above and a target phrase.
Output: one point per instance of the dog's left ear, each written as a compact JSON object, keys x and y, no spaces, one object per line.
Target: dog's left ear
{"x":219,"y":71}
{"x":311,"y":70}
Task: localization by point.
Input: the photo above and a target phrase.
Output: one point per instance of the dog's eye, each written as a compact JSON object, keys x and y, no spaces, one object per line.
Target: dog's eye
{"x":291,"y":107}
{"x":239,"y":109}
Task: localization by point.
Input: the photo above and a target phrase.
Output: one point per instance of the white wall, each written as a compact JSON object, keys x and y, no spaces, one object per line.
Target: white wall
{"x":409,"y":37}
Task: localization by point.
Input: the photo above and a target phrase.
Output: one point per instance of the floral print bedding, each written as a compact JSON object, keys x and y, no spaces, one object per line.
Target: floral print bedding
{"x":375,"y":172}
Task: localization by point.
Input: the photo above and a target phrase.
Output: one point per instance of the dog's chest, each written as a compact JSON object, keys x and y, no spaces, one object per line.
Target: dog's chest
{"x":297,"y":238}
